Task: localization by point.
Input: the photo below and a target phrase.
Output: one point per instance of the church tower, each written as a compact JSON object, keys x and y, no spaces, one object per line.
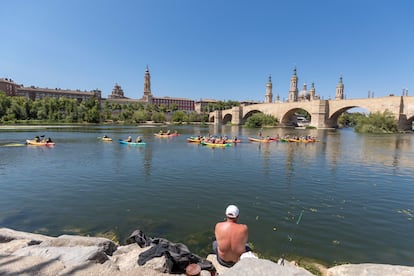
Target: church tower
{"x":147,"y":86}
{"x":293,"y":90}
{"x":117,"y":92}
{"x":312,"y":92}
{"x":269,"y":95}
{"x":339,"y":90}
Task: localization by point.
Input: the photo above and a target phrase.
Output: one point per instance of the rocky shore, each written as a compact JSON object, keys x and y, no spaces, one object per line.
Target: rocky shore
{"x":23,"y":253}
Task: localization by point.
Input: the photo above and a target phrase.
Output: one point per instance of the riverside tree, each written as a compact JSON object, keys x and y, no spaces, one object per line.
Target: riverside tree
{"x":260,"y":120}
{"x":377,"y":122}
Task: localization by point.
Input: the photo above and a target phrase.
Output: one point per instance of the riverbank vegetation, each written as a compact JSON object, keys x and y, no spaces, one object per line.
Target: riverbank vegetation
{"x":376,"y":122}
{"x":260,"y":120}
{"x":62,"y":110}
{"x":15,"y":110}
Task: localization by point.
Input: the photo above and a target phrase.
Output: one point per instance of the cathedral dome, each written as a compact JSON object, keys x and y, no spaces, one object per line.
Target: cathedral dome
{"x":304,"y":93}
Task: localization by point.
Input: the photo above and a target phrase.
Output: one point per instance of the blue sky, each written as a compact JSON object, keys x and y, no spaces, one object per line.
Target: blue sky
{"x":215,"y":49}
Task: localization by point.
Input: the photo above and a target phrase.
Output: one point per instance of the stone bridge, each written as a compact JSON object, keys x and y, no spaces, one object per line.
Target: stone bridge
{"x":324,"y":113}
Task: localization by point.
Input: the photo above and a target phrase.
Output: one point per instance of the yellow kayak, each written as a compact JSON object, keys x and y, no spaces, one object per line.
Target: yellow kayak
{"x":215,"y":145}
{"x":41,"y":143}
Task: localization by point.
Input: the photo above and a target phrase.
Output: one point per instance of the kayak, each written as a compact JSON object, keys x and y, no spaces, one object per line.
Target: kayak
{"x":106,"y":139}
{"x":194,"y":140}
{"x":166,"y":135}
{"x":132,"y":143}
{"x":233,"y":141}
{"x":41,"y":143}
{"x":251,"y":139}
{"x":215,"y":145}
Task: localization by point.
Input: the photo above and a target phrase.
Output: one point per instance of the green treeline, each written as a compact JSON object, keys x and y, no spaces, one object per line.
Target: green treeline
{"x":373,"y":123}
{"x":66,"y":110}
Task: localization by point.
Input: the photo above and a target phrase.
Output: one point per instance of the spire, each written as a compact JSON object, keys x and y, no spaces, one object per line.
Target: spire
{"x":293,"y":90}
{"x":147,"y":85}
{"x":339,"y":90}
{"x":269,"y":94}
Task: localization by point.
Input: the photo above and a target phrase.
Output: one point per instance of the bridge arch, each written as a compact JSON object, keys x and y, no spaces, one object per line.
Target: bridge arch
{"x":227,"y":118}
{"x":287,"y":118}
{"x":249,"y":114}
{"x":332,"y":121}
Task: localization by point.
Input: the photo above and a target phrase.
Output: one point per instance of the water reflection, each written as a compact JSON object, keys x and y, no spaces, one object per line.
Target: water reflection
{"x":354,"y":189}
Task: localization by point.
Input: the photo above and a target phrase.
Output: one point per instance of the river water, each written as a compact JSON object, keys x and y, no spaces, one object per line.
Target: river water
{"x":347,"y":198}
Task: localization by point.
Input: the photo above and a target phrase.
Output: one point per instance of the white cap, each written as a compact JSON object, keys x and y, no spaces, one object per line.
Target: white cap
{"x":232,"y":211}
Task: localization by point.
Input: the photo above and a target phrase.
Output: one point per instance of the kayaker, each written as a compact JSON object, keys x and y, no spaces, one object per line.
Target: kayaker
{"x":37,"y":139}
{"x":49,"y":140}
{"x":231,"y":238}
{"x":138,"y":140}
{"x":129,"y":139}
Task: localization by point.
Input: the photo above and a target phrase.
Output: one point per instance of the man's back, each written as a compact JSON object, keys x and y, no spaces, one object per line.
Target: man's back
{"x":231,"y":239}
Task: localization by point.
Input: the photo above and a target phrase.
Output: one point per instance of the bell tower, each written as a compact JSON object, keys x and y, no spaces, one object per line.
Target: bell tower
{"x":293,"y":90}
{"x":339,"y":90}
{"x":147,"y":86}
{"x":269,"y":94}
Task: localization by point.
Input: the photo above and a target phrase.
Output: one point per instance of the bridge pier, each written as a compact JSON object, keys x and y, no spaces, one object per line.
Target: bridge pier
{"x":319,"y":114}
{"x":218,"y":117}
{"x":236,"y":113}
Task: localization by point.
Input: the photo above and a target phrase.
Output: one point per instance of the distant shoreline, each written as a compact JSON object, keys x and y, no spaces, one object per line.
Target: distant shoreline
{"x":38,"y":126}
{"x":34,"y":126}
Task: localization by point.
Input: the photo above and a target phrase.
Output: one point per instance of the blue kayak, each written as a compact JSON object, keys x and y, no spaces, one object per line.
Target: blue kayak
{"x":132,"y":143}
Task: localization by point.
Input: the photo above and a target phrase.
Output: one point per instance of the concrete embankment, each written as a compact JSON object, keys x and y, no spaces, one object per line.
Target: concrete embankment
{"x":23,"y":253}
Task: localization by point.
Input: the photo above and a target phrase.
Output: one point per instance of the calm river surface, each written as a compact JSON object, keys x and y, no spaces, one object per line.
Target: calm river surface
{"x":347,"y":198}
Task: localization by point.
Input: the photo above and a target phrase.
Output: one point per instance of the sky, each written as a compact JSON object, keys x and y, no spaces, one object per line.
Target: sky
{"x":210,"y":49}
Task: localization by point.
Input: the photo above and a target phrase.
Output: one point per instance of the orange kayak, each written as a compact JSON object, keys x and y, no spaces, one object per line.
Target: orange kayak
{"x":41,"y":143}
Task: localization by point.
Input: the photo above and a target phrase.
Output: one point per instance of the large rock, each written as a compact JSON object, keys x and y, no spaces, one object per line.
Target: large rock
{"x":125,"y":257}
{"x":24,"y":253}
{"x":70,"y":256}
{"x":7,"y":235}
{"x":257,"y":267}
{"x":371,"y":270}
{"x":30,"y":265}
{"x":262,"y":267}
{"x":106,"y":245}
{"x":71,"y":250}
{"x":8,"y":248}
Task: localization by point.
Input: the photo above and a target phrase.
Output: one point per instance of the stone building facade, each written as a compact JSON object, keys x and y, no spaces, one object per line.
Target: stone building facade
{"x":36,"y":93}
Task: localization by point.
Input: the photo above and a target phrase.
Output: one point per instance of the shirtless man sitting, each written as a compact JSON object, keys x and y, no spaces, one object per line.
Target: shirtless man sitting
{"x":231,"y":238}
